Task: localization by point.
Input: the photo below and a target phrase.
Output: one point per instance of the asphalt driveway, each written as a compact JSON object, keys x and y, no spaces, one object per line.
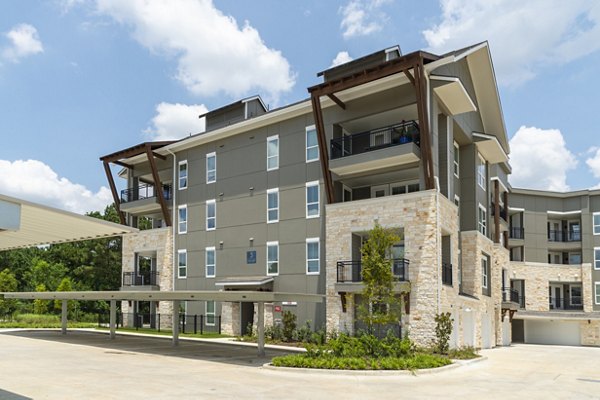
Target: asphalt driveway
{"x":82,"y":365}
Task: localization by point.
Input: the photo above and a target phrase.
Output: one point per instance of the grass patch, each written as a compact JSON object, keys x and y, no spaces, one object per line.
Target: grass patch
{"x":42,"y":321}
{"x":463,"y":353}
{"x":168,"y":332}
{"x":413,"y":362}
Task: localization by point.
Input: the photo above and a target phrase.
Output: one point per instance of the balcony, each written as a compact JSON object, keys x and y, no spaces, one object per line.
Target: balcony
{"x":351,"y":271}
{"x":150,"y":278}
{"x":512,"y":299}
{"x":574,"y":303}
{"x":517,"y":233}
{"x":447,"y":274}
{"x":385,"y":147}
{"x":503,"y":213}
{"x":143,"y":199}
{"x":564,"y":236}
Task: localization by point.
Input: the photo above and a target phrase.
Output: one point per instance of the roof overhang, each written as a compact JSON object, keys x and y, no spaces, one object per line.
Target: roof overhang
{"x":183,"y":295}
{"x":244,"y":281}
{"x":452,"y":94}
{"x":27,"y":224}
{"x":490,"y":148}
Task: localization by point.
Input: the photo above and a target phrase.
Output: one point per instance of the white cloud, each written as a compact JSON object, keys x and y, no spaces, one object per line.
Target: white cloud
{"x":341,"y":58}
{"x":523,"y":35}
{"x":176,"y":121}
{"x":24,"y":41}
{"x":540,"y":159}
{"x":594,"y":162}
{"x":214,"y":54}
{"x":35,"y":181}
{"x":362,"y":17}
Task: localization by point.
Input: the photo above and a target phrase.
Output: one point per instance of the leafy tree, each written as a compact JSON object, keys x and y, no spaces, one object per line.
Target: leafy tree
{"x":47,"y":274}
{"x":65,"y":286}
{"x":380,"y":305}
{"x":8,"y":283}
{"x":443,"y":330}
{"x":41,"y":306}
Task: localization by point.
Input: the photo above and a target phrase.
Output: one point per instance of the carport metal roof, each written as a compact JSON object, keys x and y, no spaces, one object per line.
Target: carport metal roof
{"x":27,"y":224}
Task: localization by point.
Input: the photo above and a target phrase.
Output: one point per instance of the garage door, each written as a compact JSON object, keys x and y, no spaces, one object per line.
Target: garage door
{"x":553,"y":332}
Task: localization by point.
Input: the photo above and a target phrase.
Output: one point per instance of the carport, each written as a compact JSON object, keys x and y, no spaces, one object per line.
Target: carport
{"x":174,"y":296}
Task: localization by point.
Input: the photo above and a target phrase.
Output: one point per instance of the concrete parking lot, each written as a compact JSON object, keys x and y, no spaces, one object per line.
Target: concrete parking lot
{"x":84,"y":365}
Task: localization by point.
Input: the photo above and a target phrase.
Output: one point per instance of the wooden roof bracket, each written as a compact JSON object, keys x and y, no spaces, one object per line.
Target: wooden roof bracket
{"x":113,"y":189}
{"x":158,"y":187}
{"x":337,"y":100}
{"x":421,"y":95}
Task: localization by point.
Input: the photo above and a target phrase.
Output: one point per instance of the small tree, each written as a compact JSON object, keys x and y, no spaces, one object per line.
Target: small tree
{"x":8,"y":283}
{"x":41,"y":306}
{"x":65,"y":286}
{"x":443,"y":330}
{"x":289,"y":325}
{"x":380,"y":304}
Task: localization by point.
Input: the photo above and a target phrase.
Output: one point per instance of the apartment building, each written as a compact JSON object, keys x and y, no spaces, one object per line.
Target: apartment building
{"x":282,"y":200}
{"x":555,"y":266}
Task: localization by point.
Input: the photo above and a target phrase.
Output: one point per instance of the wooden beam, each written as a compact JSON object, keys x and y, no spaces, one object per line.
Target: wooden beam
{"x":159,"y":156}
{"x":113,"y":189}
{"x":505,"y":198}
{"x":420,"y":93}
{"x":158,"y":187}
{"x":122,"y":164}
{"x":337,"y":101}
{"x":409,"y":76}
{"x":323,"y":150}
{"x":496,"y":211}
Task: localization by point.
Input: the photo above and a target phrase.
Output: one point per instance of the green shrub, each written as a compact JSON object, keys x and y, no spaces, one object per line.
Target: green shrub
{"x":443,"y":329}
{"x":416,"y":361}
{"x":37,"y":319}
{"x":289,"y":325}
{"x":463,"y":353}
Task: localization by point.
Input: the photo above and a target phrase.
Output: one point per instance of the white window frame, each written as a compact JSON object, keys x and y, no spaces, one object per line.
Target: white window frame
{"x":482,"y":223}
{"x":179,"y":266}
{"x":187,"y":171}
{"x":181,"y":231}
{"x":596,"y":259}
{"x":595,"y":228}
{"x":484,"y":272}
{"x":318,"y":259}
{"x":311,"y":128}
{"x":208,"y":156}
{"x":214,"y":265}
{"x":214,"y":312}
{"x":597,"y":292}
{"x":208,"y":203}
{"x":318,"y":202}
{"x":481,"y":171}
{"x":456,"y":160}
{"x":276,"y":245}
{"x":270,"y":192}
{"x":276,"y":156}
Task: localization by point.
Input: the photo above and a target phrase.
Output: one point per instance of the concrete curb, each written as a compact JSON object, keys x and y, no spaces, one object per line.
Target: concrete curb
{"x":428,"y":371}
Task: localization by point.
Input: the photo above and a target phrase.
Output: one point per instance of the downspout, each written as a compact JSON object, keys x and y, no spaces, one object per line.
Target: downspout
{"x":173,"y":220}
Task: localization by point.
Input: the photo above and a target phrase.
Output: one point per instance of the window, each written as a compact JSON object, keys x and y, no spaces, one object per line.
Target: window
{"x":182,"y":225}
{"x":210,"y":313}
{"x":484,"y":272}
{"x":482,"y":220}
{"x":481,"y":173}
{"x":272,"y":152}
{"x":597,"y":292}
{"x":182,"y":263}
{"x":183,"y":174}
{"x":312,"y":146}
{"x":456,"y":159}
{"x":312,"y":199}
{"x":211,"y":215}
{"x":272,"y":258}
{"x":404,"y":187}
{"x":210,"y":262}
{"x":574,"y":258}
{"x":596,"y":257}
{"x":596,"y":223}
{"x":211,"y":167}
{"x":312,"y":256}
{"x":272,"y":205}
{"x":575,"y":295}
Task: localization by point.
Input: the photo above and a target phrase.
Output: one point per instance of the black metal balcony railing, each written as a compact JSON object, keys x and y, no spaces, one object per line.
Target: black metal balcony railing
{"x":511,"y":295}
{"x":140,"y":279}
{"x":144,"y":191}
{"x":351,"y":271}
{"x":517,"y":233}
{"x":394,"y":135}
{"x":503,"y":213}
{"x":574,"y":303}
{"x":564,"y":236}
{"x":447,"y":274}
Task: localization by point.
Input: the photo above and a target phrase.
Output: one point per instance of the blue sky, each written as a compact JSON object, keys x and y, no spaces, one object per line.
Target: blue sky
{"x":83,"y":78}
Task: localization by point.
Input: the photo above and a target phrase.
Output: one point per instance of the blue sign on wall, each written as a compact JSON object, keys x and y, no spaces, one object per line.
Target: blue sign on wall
{"x":251,"y":257}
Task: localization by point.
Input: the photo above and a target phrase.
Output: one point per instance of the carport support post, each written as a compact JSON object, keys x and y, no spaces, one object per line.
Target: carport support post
{"x":63,"y":318}
{"x":175,"y":322}
{"x":113,"y":318}
{"x":261,"y":328}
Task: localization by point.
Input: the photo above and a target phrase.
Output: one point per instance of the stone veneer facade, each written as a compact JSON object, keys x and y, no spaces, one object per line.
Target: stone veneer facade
{"x":161,"y":242}
{"x":424,"y":217}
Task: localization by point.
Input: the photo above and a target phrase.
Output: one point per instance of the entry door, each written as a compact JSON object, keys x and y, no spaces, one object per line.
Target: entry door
{"x":247,"y":317}
{"x":556,"y":297}
{"x":380,"y":191}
